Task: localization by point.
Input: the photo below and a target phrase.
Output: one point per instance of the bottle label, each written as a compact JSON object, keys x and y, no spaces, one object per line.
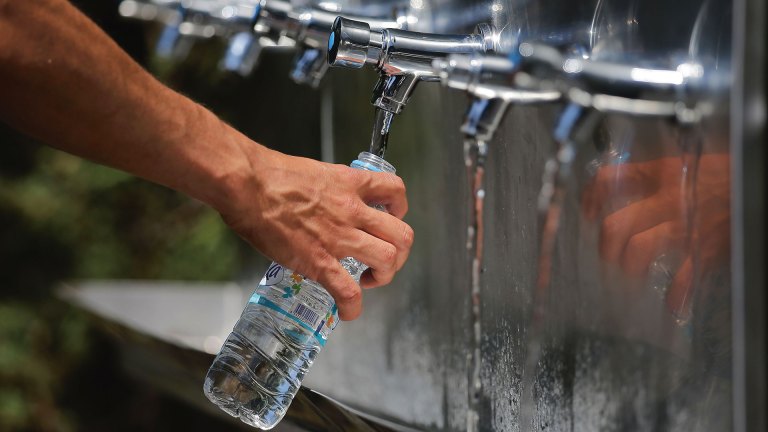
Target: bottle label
{"x":289,"y":296}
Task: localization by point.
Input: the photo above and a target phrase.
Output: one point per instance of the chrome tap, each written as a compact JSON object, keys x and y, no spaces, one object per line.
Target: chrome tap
{"x":311,"y":33}
{"x":403,"y":58}
{"x":595,"y":88}
{"x":609,"y":87}
{"x":170,"y":13}
{"x":184,"y":22}
{"x":484,"y":78}
{"x":255,"y":25}
{"x":159,"y":10}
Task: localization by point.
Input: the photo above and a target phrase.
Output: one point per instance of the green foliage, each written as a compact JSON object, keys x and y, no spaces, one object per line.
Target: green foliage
{"x":117,"y":226}
{"x":42,"y":342}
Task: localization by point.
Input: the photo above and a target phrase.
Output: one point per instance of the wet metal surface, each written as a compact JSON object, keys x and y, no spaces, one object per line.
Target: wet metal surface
{"x":635,"y":333}
{"x":617,"y":317}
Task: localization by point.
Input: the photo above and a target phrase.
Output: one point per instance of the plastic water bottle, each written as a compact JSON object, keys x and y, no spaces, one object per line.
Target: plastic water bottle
{"x":285,"y":324}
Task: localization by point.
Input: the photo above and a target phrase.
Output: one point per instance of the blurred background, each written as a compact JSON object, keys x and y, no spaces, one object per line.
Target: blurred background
{"x":63,"y":218}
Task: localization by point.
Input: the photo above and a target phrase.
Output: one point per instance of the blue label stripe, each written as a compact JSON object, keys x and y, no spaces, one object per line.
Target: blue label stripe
{"x":257,"y":299}
{"x":364,"y":165}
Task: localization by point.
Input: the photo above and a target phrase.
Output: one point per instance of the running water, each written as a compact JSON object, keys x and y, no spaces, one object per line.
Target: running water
{"x":475,"y":152}
{"x":382,"y":121}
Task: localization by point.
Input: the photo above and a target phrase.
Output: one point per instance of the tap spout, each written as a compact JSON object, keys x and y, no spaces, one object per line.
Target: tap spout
{"x":312,"y":34}
{"x":402,"y":58}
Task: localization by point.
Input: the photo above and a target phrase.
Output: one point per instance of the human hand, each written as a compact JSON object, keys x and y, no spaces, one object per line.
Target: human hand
{"x":307,"y":215}
{"x":644,"y":210}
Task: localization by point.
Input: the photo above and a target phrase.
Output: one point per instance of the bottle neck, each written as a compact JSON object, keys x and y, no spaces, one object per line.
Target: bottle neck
{"x":371,"y":162}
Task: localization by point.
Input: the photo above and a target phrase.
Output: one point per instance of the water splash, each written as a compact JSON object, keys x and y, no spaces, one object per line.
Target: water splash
{"x":382,"y":122}
{"x":475,"y":152}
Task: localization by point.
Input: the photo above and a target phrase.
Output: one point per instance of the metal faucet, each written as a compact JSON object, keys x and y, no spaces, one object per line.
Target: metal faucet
{"x":161,"y":11}
{"x":311,"y":34}
{"x":403,"y":58}
{"x":255,"y":25}
{"x":609,"y":87}
{"x":185,"y":21}
{"x":275,"y":24}
{"x":593,"y":89}
{"x":484,"y":78}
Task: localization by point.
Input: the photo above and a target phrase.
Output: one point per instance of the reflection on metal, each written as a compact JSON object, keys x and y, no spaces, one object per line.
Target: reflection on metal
{"x":611,"y":354}
{"x":600,"y":301}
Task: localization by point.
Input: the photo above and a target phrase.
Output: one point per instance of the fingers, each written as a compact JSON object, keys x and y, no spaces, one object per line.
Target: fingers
{"x":643,"y":248}
{"x":377,"y":254}
{"x":612,"y":181}
{"x":340,"y":285}
{"x":383,"y":188}
{"x":620,"y":226}
{"x":390,"y":229}
{"x":382,"y":242}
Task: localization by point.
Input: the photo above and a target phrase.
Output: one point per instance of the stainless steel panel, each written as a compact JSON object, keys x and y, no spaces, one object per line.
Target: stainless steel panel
{"x":611,"y":352}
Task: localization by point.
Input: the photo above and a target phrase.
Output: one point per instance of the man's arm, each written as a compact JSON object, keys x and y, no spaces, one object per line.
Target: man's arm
{"x":66,"y":83}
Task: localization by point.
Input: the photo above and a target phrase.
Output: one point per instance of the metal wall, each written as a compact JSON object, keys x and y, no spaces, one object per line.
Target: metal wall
{"x":634,"y":330}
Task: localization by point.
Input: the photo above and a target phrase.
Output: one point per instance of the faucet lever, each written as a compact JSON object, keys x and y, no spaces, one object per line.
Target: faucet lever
{"x":403,"y":58}
{"x":485,"y":78}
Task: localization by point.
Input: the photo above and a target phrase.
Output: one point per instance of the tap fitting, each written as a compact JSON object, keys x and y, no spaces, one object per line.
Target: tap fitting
{"x":403,"y":58}
{"x":610,"y":87}
{"x":186,"y":22}
{"x":163,"y":11}
{"x":484,"y":77}
{"x":312,"y":35}
{"x":255,"y":25}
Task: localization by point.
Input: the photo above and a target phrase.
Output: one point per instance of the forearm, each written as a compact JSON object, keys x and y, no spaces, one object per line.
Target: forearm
{"x":65,"y":82}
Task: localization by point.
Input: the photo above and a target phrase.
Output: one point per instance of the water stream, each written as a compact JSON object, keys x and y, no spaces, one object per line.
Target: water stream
{"x":382,"y":122}
{"x":475,"y":156}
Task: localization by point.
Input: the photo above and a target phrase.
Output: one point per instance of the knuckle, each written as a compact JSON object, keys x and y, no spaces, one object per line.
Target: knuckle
{"x":635,"y":244}
{"x":610,"y":227}
{"x":408,"y":236}
{"x":398,"y":184}
{"x":389,"y":256}
{"x":356,"y":177}
{"x":349,"y":294}
{"x":355,"y":208}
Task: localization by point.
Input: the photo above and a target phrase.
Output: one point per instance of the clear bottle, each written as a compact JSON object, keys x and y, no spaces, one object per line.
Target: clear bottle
{"x":282,"y":329}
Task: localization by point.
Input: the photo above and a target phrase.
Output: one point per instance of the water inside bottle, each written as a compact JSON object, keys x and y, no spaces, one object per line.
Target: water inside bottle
{"x":262,"y":363}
